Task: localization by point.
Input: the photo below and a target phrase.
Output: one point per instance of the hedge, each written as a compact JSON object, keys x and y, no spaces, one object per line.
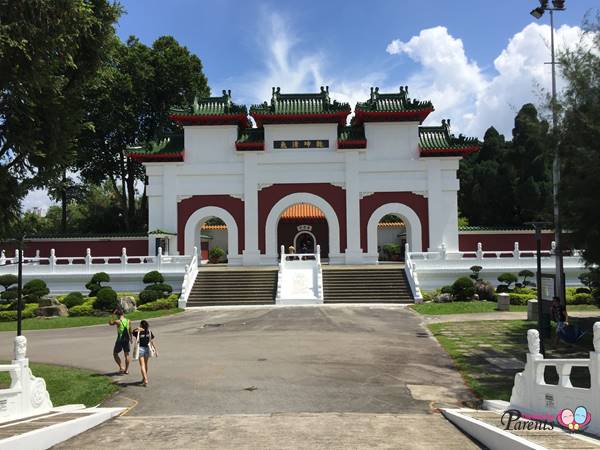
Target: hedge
{"x":73,"y":299}
{"x":85,"y":309}
{"x":163,"y":303}
{"x":27,"y":313}
{"x":106,"y":299}
{"x":148,"y":296}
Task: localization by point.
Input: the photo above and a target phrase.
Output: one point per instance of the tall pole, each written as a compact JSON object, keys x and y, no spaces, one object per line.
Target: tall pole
{"x":538,"y":281}
{"x":558,"y":288}
{"x":20,"y":288}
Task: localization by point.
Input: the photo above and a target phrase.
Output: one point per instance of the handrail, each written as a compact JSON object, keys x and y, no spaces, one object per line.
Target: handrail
{"x":191,"y":272}
{"x":411,"y":276}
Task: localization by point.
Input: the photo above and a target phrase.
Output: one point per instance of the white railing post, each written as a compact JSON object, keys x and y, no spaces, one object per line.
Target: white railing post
{"x":552,"y":247}
{"x":37,"y":254}
{"x":195,"y":253}
{"x":443,"y":251}
{"x":52,"y":260}
{"x":159,"y":258}
{"x":319,"y":255}
{"x":88,"y":260}
{"x":2,"y":258}
{"x":516,"y":251}
{"x":479,"y":251}
{"x":124,"y":259}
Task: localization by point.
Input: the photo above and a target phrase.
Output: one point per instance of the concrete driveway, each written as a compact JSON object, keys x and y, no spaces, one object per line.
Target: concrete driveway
{"x":278,"y":362}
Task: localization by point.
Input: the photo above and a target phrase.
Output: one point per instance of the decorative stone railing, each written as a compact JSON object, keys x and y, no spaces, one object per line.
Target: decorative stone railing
{"x":435,"y":269}
{"x":92,"y":264}
{"x":189,"y":278}
{"x":299,"y":278}
{"x":27,"y":394}
{"x":533,"y":396}
{"x":412,"y":277}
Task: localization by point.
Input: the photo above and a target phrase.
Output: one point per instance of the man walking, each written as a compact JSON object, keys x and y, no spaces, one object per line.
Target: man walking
{"x":123,"y":339}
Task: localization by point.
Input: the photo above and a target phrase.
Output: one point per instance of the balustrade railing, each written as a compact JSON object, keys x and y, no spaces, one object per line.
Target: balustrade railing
{"x":189,"y":278}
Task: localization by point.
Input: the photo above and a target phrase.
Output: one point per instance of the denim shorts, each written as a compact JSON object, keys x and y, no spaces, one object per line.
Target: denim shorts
{"x":145,"y":351}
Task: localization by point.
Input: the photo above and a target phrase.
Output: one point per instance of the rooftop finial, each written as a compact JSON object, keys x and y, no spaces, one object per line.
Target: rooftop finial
{"x":195,"y":105}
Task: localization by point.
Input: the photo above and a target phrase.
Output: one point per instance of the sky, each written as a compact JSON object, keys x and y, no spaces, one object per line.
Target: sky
{"x":477,"y":61}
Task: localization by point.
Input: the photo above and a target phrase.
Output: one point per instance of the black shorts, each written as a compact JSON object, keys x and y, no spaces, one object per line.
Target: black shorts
{"x":122,"y":345}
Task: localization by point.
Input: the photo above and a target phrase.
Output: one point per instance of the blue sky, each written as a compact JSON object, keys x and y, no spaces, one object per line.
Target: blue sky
{"x":478,"y":61}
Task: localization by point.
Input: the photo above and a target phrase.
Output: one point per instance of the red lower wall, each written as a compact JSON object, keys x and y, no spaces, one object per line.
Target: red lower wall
{"x":77,"y":247}
{"x":503,"y":241}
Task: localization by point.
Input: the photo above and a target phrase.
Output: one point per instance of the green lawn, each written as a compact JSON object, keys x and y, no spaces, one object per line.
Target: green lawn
{"x":39,"y":323}
{"x":67,"y":385}
{"x":434,"y":309}
{"x":470,"y":344}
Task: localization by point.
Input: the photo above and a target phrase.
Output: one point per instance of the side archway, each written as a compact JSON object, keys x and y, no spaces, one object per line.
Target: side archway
{"x":411,"y":221}
{"x":301,"y":197}
{"x":195,"y":221}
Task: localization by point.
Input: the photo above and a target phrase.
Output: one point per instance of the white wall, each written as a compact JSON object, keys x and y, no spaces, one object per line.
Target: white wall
{"x":392,"y":140}
{"x":210,"y":143}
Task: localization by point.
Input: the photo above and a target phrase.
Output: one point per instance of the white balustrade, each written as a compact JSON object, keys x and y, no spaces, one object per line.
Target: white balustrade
{"x":532,"y":395}
{"x":27,"y":394}
{"x":411,"y":275}
{"x":189,"y":278}
{"x":300,"y":278}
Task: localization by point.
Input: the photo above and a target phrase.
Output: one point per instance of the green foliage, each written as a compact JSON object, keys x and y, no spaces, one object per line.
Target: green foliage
{"x":446,"y":290}
{"x":163,"y":288}
{"x":154,"y":277}
{"x":429,"y":296}
{"x":106,"y":299}
{"x":215,"y":255}
{"x":583,"y":291}
{"x":475,"y":270}
{"x":8,"y":280}
{"x":95,"y":284}
{"x":149,"y":295}
{"x":579,"y":137}
{"x":73,"y":299}
{"x":10,"y":294}
{"x":520,"y":299}
{"x":163,"y":303}
{"x":26,"y":313}
{"x":392,"y":251}
{"x":84,"y":309}
{"x":526,"y":274}
{"x":34,"y":290}
{"x":507,"y":278}
{"x":50,"y":50}
{"x":463,"y":289}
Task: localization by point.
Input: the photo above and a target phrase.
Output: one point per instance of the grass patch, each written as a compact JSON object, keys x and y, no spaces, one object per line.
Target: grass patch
{"x":470,"y":344}
{"x":67,"y":385}
{"x":434,"y":309}
{"x":40,"y":323}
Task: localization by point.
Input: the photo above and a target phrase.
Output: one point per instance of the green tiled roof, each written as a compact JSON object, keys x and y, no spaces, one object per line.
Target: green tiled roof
{"x":211,"y":106}
{"x":302,"y":104}
{"x":439,"y":138}
{"x":169,"y":146}
{"x":397,"y":102}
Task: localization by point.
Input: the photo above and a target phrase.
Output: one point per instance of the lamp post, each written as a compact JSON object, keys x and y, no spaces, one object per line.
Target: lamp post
{"x":557,"y":5}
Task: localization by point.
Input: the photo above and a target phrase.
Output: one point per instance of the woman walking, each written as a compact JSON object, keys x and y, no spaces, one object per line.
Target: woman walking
{"x":147,"y":348}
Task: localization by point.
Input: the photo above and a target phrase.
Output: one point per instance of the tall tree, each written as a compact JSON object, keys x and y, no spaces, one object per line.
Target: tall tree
{"x":129,"y":103}
{"x":49,"y":50}
{"x":580,"y":138}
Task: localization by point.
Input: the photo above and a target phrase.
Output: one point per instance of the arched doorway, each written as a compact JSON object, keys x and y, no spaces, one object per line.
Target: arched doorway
{"x":303,"y":226}
{"x":409,"y":232}
{"x":201,"y":232}
{"x":328,"y":237}
{"x":391,"y":238}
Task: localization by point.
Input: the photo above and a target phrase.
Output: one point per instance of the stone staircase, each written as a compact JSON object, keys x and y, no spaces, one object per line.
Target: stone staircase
{"x":233,"y":287}
{"x":366,"y":285}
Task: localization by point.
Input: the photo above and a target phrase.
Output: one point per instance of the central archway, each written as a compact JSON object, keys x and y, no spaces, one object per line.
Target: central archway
{"x":301,"y":197}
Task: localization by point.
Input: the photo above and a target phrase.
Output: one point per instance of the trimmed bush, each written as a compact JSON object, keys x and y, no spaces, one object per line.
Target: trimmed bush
{"x":10,"y":294}
{"x":215,"y":255}
{"x":508,"y":278}
{"x":163,"y":288}
{"x":34,"y":290}
{"x":27,"y":313}
{"x":95,"y":284}
{"x":475,"y":275}
{"x":526,"y":274}
{"x":463,"y":289}
{"x":519,"y":299}
{"x":8,"y":280}
{"x":429,"y":296}
{"x":446,"y":290}
{"x":73,"y":299}
{"x":106,"y":299}
{"x":580,"y":299}
{"x":148,"y":295}
{"x":525,"y":290}
{"x":154,"y":277}
{"x":163,"y":303}
{"x":582,"y":290}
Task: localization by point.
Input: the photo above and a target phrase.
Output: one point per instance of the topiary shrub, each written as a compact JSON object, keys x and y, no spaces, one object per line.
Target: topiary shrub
{"x":85,"y":309}
{"x":7,"y":280}
{"x":106,"y":299}
{"x":95,"y":284}
{"x":507,"y":278}
{"x":475,"y":272}
{"x":73,"y":299}
{"x":580,"y":299}
{"x":446,"y":290}
{"x":154,"y":277}
{"x":526,"y":274}
{"x":463,"y":289}
{"x":10,"y":294}
{"x":582,"y":290}
{"x":148,"y":295}
{"x":519,"y":299}
{"x":34,"y":291}
{"x":215,"y":255}
{"x":26,"y":313}
{"x":163,"y":303}
{"x":155,"y":281}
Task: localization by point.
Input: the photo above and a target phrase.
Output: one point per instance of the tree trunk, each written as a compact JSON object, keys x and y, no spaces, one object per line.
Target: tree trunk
{"x":130,"y":193}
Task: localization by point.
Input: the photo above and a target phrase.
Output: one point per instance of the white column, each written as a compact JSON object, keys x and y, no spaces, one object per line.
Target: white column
{"x":353,"y":251}
{"x":169,"y":205}
{"x":435,"y":205}
{"x":251,"y":254}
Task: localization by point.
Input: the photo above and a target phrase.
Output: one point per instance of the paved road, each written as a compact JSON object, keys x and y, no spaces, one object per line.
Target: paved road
{"x":364,"y":367}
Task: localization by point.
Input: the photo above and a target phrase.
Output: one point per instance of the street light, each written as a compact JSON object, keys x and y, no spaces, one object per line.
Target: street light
{"x":557,"y":5}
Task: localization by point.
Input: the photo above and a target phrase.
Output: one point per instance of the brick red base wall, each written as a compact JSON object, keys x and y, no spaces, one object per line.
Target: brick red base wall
{"x":67,"y":248}
{"x":189,"y":206}
{"x":334,"y":195}
{"x":503,"y":241}
{"x":417,"y":203}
